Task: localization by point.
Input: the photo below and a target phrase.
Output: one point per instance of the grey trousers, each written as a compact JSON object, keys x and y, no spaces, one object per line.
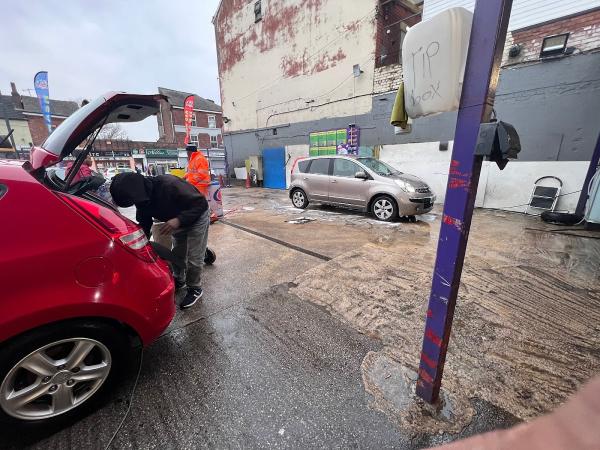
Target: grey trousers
{"x":189,"y":246}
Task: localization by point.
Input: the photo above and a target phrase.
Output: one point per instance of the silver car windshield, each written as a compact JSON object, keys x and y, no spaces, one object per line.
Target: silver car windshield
{"x":379,"y":167}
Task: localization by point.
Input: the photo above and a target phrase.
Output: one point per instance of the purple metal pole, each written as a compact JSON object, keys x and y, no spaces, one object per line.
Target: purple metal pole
{"x":590,"y":173}
{"x":488,"y":34}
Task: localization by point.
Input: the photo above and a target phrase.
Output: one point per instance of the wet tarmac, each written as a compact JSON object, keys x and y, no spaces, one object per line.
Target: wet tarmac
{"x":527,"y":326}
{"x":289,"y":350}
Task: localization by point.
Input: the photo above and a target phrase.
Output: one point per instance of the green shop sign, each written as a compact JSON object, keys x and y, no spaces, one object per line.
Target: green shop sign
{"x":162,"y":153}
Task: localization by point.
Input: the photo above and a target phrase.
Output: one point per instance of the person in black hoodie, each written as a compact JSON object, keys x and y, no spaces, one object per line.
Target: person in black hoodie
{"x":185,"y":214}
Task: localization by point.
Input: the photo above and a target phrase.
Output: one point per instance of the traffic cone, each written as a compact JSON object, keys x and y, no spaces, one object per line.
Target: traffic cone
{"x":248,"y":181}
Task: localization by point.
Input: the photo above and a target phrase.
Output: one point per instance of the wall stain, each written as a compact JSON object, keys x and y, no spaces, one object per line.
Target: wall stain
{"x":293,"y":67}
{"x":326,"y":61}
{"x":279,"y":23}
{"x":352,"y":27}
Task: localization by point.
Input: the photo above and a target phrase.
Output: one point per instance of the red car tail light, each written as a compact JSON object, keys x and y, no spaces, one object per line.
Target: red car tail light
{"x":138,"y":243}
{"x":114,"y":225}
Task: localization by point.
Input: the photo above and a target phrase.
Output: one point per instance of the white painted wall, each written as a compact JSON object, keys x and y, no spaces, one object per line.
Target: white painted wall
{"x":258,"y":91}
{"x":524,"y":13}
{"x":292,"y":152}
{"x":512,"y":186}
{"x":424,"y":160}
{"x":509,"y":189}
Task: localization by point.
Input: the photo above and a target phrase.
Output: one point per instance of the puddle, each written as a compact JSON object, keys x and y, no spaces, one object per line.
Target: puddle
{"x":301,"y":220}
{"x":392,"y":386}
{"x":427,"y":217}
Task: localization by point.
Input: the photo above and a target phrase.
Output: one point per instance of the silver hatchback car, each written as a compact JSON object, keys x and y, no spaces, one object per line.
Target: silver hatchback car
{"x":363,"y":183}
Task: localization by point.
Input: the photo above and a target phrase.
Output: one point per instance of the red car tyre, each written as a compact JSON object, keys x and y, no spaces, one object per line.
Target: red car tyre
{"x":57,"y":373}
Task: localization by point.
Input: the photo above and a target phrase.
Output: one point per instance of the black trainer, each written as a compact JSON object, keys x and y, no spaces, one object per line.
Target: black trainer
{"x":192,"y":296}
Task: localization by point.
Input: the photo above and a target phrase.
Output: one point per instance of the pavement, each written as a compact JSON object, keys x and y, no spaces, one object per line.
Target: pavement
{"x":309,"y":332}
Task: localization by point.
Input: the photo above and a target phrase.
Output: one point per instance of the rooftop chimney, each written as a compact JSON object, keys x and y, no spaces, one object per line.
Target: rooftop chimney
{"x":16,"y":98}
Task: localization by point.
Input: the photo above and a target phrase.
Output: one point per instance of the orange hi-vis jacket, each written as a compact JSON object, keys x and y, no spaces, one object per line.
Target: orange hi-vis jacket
{"x":198,"y":173}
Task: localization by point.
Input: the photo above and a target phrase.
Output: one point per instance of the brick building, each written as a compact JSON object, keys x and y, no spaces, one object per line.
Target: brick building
{"x":30,"y":108}
{"x":11,"y":119}
{"x":207,"y":121}
{"x":583,"y":36}
{"x":293,"y":70}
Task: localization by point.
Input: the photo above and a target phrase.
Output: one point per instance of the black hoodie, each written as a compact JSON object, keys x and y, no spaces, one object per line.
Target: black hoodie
{"x":163,"y":198}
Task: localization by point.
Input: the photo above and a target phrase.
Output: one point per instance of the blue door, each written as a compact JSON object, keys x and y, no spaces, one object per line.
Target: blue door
{"x":274,"y":167}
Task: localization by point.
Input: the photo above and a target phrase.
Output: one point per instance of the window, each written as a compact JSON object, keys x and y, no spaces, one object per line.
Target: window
{"x":212,"y":122}
{"x":194,"y":139}
{"x":379,"y":167}
{"x":257,"y":12}
{"x":345,"y":168}
{"x":320,"y":166}
{"x":213,"y":142}
{"x":194,"y":123}
{"x":303,"y":166}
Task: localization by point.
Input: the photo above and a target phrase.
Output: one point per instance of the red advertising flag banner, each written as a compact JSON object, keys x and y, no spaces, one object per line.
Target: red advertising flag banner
{"x":188,"y":111}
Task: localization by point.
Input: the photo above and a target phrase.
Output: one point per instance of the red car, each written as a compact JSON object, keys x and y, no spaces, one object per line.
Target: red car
{"x":80,"y":282}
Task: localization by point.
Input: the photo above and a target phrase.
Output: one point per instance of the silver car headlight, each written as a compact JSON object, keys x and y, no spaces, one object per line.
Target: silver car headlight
{"x":405,"y":186}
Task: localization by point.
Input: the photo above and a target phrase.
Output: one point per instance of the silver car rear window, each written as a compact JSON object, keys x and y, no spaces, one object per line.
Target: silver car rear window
{"x":303,"y":165}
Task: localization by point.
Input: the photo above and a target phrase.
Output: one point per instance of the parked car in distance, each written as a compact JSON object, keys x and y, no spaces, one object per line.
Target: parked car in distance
{"x":112,"y":171}
{"x":362,"y":183}
{"x":80,"y":282}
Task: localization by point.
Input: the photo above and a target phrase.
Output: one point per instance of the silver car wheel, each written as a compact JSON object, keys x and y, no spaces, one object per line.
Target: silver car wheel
{"x":383,"y":209}
{"x":298,"y":199}
{"x":55,"y":379}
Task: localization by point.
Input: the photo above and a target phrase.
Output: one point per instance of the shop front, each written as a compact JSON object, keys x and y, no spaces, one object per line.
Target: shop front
{"x":161,"y":160}
{"x":139,"y":159}
{"x":108,"y":159}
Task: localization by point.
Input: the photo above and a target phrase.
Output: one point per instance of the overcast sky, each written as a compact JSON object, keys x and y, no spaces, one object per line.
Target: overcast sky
{"x":90,"y":47}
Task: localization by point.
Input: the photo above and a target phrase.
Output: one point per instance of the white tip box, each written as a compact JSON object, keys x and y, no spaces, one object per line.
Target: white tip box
{"x":434,"y":54}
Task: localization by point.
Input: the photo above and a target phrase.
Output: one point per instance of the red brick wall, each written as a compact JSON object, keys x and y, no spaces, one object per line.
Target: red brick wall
{"x":203,"y":140}
{"x":201,"y":118}
{"x":201,"y":121}
{"x":584,"y":35}
{"x":388,"y":18}
{"x":38,"y":130}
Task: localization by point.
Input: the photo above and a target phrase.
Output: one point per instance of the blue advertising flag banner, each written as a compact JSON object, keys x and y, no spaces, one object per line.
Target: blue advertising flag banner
{"x":40,"y":82}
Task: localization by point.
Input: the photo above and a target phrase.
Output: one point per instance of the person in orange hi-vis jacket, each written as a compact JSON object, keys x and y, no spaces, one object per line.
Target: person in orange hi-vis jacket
{"x":198,"y":172}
